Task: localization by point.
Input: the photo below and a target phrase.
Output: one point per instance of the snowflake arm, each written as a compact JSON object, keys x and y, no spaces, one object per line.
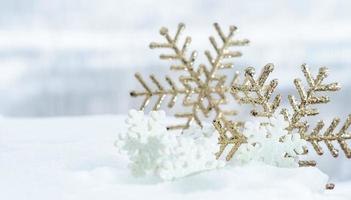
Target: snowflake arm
{"x":257,"y":93}
{"x":308,"y":97}
{"x":235,"y":138}
{"x":328,"y":137}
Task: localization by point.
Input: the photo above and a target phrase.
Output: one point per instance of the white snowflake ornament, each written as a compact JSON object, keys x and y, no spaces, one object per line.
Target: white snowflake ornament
{"x":269,"y":143}
{"x":152,"y":150}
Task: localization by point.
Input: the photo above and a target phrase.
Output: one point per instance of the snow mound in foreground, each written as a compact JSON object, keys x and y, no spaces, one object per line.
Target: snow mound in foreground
{"x":75,"y":159}
{"x":253,"y":181}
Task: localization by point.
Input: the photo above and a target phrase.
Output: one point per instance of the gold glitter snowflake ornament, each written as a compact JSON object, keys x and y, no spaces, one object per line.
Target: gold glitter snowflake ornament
{"x":204,"y":90}
{"x":256,"y":93}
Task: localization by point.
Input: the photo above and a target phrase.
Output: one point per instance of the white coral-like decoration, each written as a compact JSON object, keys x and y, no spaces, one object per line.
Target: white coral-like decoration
{"x":270,"y":144}
{"x":152,"y":150}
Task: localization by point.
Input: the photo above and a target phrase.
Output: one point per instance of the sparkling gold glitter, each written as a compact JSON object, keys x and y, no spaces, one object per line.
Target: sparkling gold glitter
{"x":203,"y":88}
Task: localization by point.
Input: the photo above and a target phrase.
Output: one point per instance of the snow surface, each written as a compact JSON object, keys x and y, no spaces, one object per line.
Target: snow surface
{"x":74,"y":158}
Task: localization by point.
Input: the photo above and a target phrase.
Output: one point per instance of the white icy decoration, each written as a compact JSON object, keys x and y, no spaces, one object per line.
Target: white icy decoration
{"x":270,"y":144}
{"x":152,"y":150}
{"x":168,"y":155}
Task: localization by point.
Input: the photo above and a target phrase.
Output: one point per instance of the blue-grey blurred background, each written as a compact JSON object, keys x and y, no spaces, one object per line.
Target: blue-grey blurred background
{"x":78,"y":57}
{"x":75,"y":57}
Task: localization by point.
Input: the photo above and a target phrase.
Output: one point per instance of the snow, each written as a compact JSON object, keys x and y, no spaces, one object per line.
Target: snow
{"x":73,"y":158}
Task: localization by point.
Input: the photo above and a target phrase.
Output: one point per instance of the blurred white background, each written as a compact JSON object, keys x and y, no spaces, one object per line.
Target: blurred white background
{"x":75,"y":57}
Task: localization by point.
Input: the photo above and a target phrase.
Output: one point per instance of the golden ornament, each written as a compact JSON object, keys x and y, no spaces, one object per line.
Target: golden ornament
{"x":259,"y":95}
{"x":203,"y":82}
{"x":254,"y":92}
